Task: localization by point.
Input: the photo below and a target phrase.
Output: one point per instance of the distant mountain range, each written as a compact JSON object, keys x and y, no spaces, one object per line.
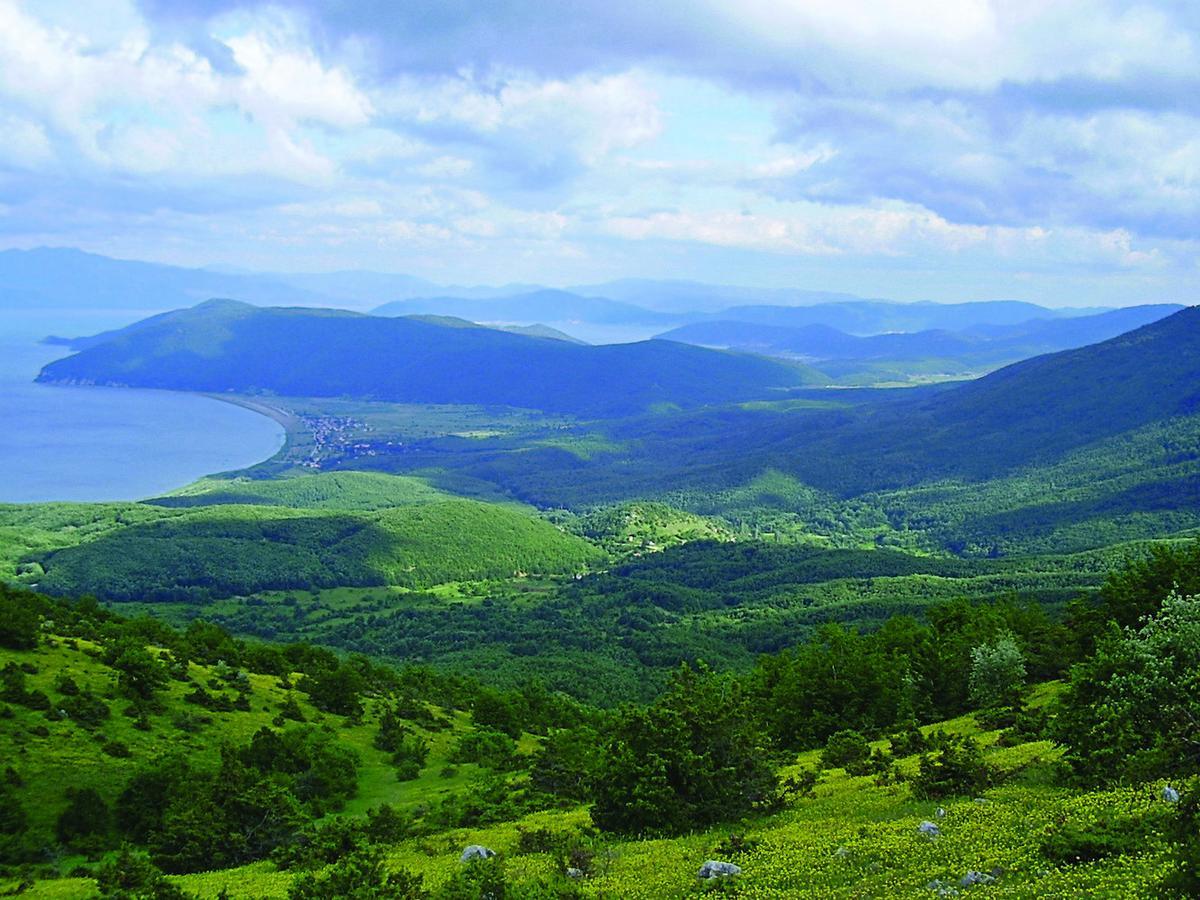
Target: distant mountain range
{"x":223,"y":345}
{"x":851,"y":339}
{"x":544,"y":305}
{"x":979,"y":344}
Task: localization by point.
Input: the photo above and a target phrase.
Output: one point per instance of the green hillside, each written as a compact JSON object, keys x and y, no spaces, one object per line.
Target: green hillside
{"x":223,"y":346}
{"x":225,"y":550}
{"x":325,"y":490}
{"x":961,"y":754}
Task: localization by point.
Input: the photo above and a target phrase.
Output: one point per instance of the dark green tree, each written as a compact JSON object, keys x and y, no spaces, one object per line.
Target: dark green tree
{"x":19,"y":621}
{"x":86,"y":821}
{"x":693,"y":758}
{"x":1132,"y":709}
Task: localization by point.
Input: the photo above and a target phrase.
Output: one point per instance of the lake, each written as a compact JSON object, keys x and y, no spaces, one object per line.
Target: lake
{"x":84,"y":443}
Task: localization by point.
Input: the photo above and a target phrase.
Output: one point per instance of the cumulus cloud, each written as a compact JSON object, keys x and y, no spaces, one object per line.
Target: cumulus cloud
{"x":907,"y":132}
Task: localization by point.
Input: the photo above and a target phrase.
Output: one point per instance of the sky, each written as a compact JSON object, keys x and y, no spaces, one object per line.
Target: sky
{"x":1046,"y":150}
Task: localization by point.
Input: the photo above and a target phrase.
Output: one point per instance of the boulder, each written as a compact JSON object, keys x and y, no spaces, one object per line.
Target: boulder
{"x":715,"y":869}
{"x":1170,"y":794}
{"x":476,"y":851}
{"x":942,"y":889}
{"x":973,"y":878}
{"x":929,"y":828}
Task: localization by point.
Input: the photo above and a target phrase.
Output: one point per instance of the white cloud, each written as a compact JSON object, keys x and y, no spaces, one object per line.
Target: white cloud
{"x":885,"y":230}
{"x":289,"y":84}
{"x":594,"y":115}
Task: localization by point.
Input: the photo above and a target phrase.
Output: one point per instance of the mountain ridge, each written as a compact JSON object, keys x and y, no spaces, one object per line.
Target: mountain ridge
{"x":228,"y":346}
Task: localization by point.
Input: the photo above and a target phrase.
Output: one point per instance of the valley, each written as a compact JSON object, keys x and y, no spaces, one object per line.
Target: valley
{"x":479,"y":552}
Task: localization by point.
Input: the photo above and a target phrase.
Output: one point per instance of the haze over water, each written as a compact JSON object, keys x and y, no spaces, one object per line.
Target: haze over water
{"x":86,"y":444}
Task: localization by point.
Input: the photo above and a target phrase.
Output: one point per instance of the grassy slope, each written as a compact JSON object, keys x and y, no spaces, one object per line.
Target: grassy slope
{"x":71,"y":755}
{"x":853,"y":839}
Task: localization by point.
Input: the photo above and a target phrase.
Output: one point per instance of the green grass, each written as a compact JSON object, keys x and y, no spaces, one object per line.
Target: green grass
{"x":852,"y":839}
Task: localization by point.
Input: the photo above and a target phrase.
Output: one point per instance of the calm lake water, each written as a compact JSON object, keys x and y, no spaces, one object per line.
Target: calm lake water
{"x":66,"y":443}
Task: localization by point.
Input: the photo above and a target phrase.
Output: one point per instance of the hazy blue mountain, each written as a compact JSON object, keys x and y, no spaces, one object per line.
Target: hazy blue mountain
{"x":821,"y":341}
{"x":227,"y":346}
{"x":979,"y":344}
{"x":538,"y":306}
{"x":539,"y":330}
{"x":60,"y":278}
{"x":674,"y":296}
{"x":866,"y":317}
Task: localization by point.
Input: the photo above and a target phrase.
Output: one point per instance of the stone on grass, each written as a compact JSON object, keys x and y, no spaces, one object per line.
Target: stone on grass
{"x":476,"y":851}
{"x":929,"y":828}
{"x":973,"y":878}
{"x":1170,"y":794}
{"x":716,"y":869}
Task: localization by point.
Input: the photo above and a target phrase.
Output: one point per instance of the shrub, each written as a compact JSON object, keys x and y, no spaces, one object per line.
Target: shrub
{"x":845,"y":750}
{"x":1071,"y":843}
{"x":478,"y":878}
{"x":1184,"y":833}
{"x":958,"y":768}
{"x":907,"y":740}
{"x":130,"y":875}
{"x":85,"y":709}
{"x":493,"y":749}
{"x":359,"y":876}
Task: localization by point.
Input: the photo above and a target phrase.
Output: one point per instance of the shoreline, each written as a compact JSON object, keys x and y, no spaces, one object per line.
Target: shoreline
{"x":292,"y":425}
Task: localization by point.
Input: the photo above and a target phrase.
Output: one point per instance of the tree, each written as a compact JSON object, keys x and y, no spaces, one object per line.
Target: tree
{"x":693,"y":758}
{"x":845,"y":750}
{"x":566,"y":763}
{"x":139,"y":675}
{"x":86,"y":821}
{"x":1132,"y":709}
{"x":1137,"y":590}
{"x":14,"y":826}
{"x":335,"y":690}
{"x":997,"y":672}
{"x":19,"y":622}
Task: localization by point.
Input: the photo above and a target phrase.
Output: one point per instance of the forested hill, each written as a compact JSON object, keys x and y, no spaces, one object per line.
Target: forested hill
{"x":1027,"y":413}
{"x":1071,"y":398}
{"x":228,"y":346}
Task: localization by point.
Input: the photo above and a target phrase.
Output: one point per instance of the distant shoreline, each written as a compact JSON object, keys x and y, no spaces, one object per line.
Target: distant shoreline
{"x":292,"y":424}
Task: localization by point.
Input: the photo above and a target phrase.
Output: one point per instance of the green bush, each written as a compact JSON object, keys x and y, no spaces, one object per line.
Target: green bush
{"x":1074,"y":843}
{"x":958,"y":768}
{"x":361,"y":875}
{"x":845,"y":749}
